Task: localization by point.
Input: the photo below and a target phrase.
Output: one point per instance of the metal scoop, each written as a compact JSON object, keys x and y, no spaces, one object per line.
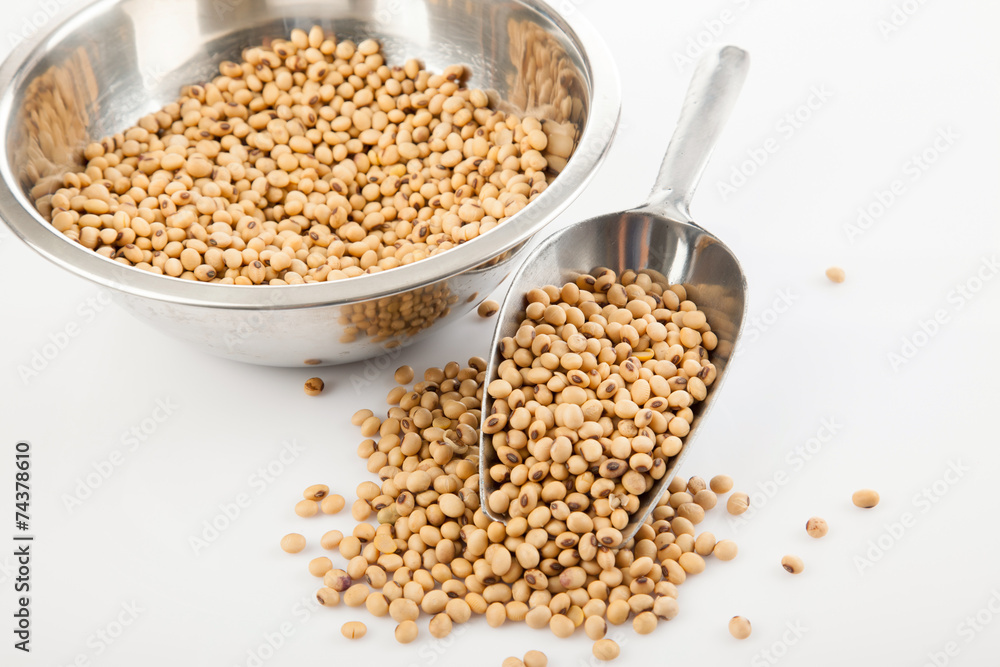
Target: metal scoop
{"x":659,"y":236}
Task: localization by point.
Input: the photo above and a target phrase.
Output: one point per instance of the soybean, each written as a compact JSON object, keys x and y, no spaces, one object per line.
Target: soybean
{"x":665,"y":607}
{"x":721,"y":484}
{"x":738,"y":503}
{"x":739,"y":627}
{"x":535,"y":659}
{"x":406,"y":632}
{"x":725,"y":550}
{"x":331,"y":539}
{"x":865,"y":498}
{"x":354,"y":630}
{"x":561,"y":626}
{"x":320,"y":566}
{"x":332,"y":504}
{"x":792,"y":564}
{"x":836,"y":274}
{"x":817,"y":527}
{"x":293,"y":543}
{"x":314,"y":387}
{"x":360,"y":510}
{"x":403,"y":375}
{"x":606,"y":649}
{"x":440,"y":626}
{"x":306,"y":508}
{"x":704,"y":544}
{"x":328,"y":597}
{"x":488,"y":308}
{"x":316,"y":492}
{"x":644,"y":623}
{"x":595,"y":627}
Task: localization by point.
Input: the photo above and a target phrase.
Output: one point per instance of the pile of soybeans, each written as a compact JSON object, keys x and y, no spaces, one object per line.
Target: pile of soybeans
{"x":309,"y":160}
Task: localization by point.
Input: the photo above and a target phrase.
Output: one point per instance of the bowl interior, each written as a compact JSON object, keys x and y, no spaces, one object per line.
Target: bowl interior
{"x":111,"y":63}
{"x":84,"y":88}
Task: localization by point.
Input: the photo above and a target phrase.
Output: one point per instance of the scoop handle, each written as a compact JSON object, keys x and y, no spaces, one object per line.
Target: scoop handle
{"x":711,"y":95}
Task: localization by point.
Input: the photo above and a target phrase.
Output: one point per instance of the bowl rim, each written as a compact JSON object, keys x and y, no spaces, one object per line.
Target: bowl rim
{"x":20,"y":214}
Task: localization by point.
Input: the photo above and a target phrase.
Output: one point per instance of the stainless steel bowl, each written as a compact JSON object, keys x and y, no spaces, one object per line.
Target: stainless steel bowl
{"x":105,"y":66}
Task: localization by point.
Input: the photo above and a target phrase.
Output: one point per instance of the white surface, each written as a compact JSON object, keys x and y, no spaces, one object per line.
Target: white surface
{"x":821,"y":360}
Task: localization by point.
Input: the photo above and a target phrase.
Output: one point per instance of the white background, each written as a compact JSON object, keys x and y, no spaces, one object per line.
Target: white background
{"x":814,"y":354}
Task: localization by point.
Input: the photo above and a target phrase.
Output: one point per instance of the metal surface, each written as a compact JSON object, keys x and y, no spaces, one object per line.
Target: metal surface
{"x":104,"y":67}
{"x":659,"y":235}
